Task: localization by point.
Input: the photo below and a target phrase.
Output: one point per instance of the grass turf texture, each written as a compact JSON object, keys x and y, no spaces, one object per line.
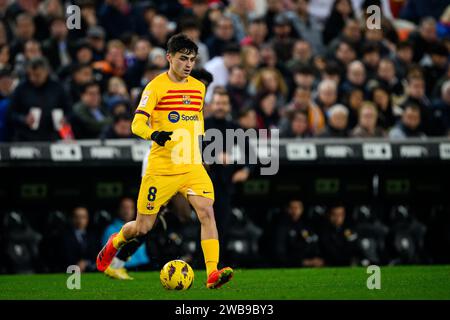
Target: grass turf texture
{"x":405,"y":282}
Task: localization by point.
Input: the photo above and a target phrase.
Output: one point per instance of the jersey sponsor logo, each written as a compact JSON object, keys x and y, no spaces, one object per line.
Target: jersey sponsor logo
{"x":186,"y":100}
{"x":173,"y":117}
{"x":189,"y":118}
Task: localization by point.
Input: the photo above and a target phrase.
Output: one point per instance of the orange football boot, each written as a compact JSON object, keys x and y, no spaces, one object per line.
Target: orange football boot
{"x":107,"y":254}
{"x":218,"y":278}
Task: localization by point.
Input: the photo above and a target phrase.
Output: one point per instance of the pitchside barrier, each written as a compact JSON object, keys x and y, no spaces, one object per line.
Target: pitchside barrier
{"x":60,"y":175}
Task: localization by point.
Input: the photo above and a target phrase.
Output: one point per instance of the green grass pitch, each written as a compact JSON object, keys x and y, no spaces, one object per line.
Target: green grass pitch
{"x":405,"y":282}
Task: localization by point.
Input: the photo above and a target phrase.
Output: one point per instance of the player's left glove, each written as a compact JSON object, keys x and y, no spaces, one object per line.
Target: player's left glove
{"x":161,"y":137}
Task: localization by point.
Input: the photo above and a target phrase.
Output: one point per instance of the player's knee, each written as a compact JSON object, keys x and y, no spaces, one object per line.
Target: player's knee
{"x":205,"y":214}
{"x":142,"y":229}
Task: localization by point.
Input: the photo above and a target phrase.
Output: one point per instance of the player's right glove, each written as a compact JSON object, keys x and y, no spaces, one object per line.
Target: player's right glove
{"x":161,"y":137}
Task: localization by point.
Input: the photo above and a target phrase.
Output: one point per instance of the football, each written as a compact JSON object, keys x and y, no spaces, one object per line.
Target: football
{"x":176,"y":275}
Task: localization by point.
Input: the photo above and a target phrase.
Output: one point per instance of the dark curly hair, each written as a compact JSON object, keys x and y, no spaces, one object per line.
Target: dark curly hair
{"x":181,"y":43}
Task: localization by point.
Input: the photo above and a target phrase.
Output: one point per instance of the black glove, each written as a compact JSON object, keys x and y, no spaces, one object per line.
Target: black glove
{"x":161,"y":137}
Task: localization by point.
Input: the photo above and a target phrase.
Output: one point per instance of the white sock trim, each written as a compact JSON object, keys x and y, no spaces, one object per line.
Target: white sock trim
{"x":117,"y":263}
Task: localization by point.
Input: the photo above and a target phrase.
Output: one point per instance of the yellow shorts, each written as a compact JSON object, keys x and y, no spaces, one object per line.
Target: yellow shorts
{"x":156,"y":190}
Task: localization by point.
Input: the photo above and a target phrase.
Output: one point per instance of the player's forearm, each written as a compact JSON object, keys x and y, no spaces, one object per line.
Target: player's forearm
{"x":140,"y":127}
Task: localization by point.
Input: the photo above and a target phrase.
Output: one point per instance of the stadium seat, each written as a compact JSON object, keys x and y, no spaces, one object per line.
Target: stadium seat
{"x":21,"y":244}
{"x":242,"y":247}
{"x":371,"y":236}
{"x":50,"y":250}
{"x":406,"y":237}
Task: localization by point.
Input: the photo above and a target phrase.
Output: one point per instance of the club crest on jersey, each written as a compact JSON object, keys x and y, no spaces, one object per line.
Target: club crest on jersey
{"x":150,"y":206}
{"x":186,"y":100}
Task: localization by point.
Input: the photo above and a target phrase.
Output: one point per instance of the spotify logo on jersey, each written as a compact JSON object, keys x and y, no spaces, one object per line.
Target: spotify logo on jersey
{"x":174,"y":116}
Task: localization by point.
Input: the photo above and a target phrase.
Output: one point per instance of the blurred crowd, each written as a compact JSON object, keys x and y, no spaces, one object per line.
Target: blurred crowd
{"x":295,"y":234}
{"x":312,"y":68}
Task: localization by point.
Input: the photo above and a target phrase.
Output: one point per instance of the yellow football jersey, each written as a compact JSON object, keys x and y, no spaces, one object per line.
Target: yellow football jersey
{"x":176,"y":107}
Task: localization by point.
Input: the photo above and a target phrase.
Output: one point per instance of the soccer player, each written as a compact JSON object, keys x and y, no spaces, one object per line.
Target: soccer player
{"x":173,"y":104}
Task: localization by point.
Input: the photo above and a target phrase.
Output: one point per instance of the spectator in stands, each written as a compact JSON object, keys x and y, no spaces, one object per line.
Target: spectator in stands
{"x":56,"y":48}
{"x":351,"y":33}
{"x":79,"y":244}
{"x":3,"y":33}
{"x":5,"y":57}
{"x":192,"y":29}
{"x":409,"y":125}
{"x":247,"y":118}
{"x":200,"y":11}
{"x":34,"y":102}
{"x":303,"y":76}
{"x":403,"y":58}
{"x":376,"y":36}
{"x":302,"y":101}
{"x":158,"y":58}
{"x":298,"y":125}
{"x":32,"y":49}
{"x":118,"y":106}
{"x":383,"y":101}
{"x":81,"y":74}
{"x":119,"y":17}
{"x":251,"y":60}
{"x":237,"y":88}
{"x":367,"y":123}
{"x":120,"y":129}
{"x":117,"y":89}
{"x":332,"y":72}
{"x":307,"y":28}
{"x":125,"y":213}
{"x":356,"y":77}
{"x":83,"y":52}
{"x":239,"y":12}
{"x":345,"y":53}
{"x":89,"y":116}
{"x":441,"y":111}
{"x":354,"y":100}
{"x":266,"y":110}
{"x":417,"y":9}
{"x":159,"y":32}
{"x":6,"y":89}
{"x":223,"y":34}
{"x":295,"y":244}
{"x":337,"y":123}
{"x":283,"y":38}
{"x":387,"y":78}
{"x":274,"y":7}
{"x":25,"y":30}
{"x":224,"y":175}
{"x":135,"y":71}
{"x":439,"y":56}
{"x":220,"y":68}
{"x":423,"y":39}
{"x":327,"y":95}
{"x":257,"y":33}
{"x":302,"y":55}
{"x":114,"y":63}
{"x":340,"y":12}
{"x":371,"y":57}
{"x":96,"y":40}
{"x":270,"y":80}
{"x":415,"y":94}
{"x":337,"y":239}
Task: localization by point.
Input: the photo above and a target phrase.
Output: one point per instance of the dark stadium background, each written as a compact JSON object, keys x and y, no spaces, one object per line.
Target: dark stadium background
{"x":394,"y":190}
